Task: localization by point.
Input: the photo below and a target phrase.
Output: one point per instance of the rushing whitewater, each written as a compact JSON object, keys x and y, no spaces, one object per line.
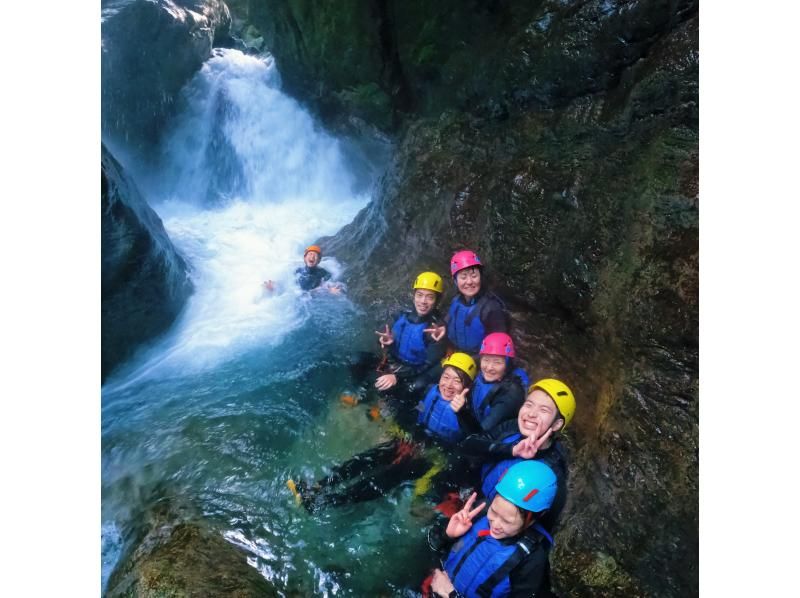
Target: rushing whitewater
{"x":243,"y":391}
{"x":248,"y":179}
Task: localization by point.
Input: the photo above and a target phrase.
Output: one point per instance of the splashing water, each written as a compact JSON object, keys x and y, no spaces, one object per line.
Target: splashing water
{"x":243,"y":391}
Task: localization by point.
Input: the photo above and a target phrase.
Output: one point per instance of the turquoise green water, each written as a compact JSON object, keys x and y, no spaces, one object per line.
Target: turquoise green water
{"x":243,"y":391}
{"x":228,"y":439}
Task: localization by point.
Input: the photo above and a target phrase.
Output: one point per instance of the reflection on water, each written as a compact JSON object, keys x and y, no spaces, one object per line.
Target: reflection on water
{"x":243,"y":392}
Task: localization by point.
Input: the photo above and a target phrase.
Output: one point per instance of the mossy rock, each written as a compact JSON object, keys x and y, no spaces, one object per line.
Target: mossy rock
{"x":187,"y":561}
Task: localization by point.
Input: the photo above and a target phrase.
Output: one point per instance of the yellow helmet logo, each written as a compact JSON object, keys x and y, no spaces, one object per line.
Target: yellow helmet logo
{"x":429,"y":281}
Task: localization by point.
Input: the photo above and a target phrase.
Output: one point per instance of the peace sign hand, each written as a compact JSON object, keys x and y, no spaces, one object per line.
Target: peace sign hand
{"x":386,"y":337}
{"x":459,"y":400}
{"x":460,"y":523}
{"x":436,"y":332}
{"x":528,"y":447}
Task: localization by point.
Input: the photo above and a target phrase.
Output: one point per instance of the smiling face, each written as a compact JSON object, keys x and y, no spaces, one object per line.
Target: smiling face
{"x":505,"y":519}
{"x":424,"y":301}
{"x":493,"y":367}
{"x":468,"y":281}
{"x":311,"y":259}
{"x":450,"y":383}
{"x":538,"y":413}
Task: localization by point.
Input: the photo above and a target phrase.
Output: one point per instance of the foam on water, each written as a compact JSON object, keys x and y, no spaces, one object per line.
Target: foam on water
{"x":248,"y":180}
{"x":243,"y":391}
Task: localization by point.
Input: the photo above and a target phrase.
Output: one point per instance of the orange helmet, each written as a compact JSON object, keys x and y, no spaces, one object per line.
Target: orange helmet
{"x":313,"y":248}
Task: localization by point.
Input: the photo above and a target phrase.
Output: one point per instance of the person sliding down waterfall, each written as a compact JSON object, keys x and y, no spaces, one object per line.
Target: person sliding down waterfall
{"x":420,"y":450}
{"x":503,"y":553}
{"x":412,"y":352}
{"x":475,"y":311}
{"x":311,"y":275}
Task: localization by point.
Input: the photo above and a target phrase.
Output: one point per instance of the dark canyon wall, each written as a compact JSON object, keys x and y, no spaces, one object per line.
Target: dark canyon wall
{"x":560,"y":140}
{"x":150,"y":49}
{"x":144,"y":280}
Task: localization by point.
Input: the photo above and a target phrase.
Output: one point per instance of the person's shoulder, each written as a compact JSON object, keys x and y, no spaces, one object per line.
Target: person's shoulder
{"x":493,"y":301}
{"x":512,"y":386}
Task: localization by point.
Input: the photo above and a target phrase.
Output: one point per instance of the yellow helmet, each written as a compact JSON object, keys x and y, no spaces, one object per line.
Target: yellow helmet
{"x":430,"y":281}
{"x":560,"y":393}
{"x":463,"y":362}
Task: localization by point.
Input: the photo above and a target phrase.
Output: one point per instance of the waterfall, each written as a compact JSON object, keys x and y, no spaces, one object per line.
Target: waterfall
{"x":247,"y":180}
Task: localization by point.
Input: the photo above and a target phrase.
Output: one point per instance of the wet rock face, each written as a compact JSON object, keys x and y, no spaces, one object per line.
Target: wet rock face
{"x":181,"y":558}
{"x":586,"y":215}
{"x":150,"y":48}
{"x":388,"y":60}
{"x":144,"y":280}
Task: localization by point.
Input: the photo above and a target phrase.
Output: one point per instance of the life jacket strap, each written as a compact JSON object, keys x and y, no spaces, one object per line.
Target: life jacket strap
{"x":522,"y":550}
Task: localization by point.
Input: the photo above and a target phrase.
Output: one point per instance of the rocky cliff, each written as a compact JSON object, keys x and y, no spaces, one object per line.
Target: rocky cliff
{"x":142,"y":73}
{"x":144,"y":280}
{"x":559,"y":139}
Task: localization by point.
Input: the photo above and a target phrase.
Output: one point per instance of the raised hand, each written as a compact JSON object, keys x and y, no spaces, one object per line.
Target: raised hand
{"x":460,"y":523}
{"x":269,"y":285}
{"x":385,"y":382}
{"x":459,"y":400}
{"x":386,"y":337}
{"x":528,"y":447}
{"x":441,"y":584}
{"x":436,"y":332}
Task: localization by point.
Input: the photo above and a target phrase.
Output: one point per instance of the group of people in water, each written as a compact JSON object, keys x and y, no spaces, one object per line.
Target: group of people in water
{"x":464,"y":415}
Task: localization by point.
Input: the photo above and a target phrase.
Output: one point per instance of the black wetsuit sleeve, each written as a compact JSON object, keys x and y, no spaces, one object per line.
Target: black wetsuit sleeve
{"x":438,"y":540}
{"x":494,"y":318}
{"x":485,"y":446}
{"x":325,"y":276}
{"x":505,"y":405}
{"x":527,"y":578}
{"x":467,"y":421}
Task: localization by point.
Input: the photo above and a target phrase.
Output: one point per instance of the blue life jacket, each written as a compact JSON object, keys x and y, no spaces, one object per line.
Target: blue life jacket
{"x":409,"y":341}
{"x":523,"y":378}
{"x":479,"y":565}
{"x":492,"y":472}
{"x":438,"y":418}
{"x":480,"y":394}
{"x":464,"y":327}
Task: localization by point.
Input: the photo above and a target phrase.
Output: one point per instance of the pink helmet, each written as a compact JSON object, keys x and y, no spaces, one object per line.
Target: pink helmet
{"x":498,"y":343}
{"x":463,"y":259}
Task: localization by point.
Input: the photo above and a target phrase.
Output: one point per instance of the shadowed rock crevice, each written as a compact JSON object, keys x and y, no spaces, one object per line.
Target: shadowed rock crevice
{"x":144,"y":280}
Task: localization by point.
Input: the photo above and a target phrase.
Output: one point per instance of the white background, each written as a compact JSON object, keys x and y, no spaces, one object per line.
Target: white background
{"x":50,"y":254}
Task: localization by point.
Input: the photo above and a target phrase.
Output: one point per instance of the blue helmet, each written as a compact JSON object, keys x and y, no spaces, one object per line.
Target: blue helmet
{"x":530,"y":485}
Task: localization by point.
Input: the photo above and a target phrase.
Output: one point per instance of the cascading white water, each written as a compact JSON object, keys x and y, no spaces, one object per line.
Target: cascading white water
{"x":243,"y":391}
{"x":248,"y":180}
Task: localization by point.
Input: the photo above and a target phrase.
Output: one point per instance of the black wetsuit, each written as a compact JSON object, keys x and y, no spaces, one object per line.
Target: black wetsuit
{"x":489,"y":447}
{"x":407,"y":373}
{"x":529,"y":573}
{"x":470,"y":321}
{"x":376,"y":471}
{"x":500,"y":403}
{"x":310,"y":278}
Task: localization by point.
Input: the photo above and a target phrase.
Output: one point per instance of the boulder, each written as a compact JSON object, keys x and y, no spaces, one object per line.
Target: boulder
{"x":144,"y":279}
{"x":150,"y":49}
{"x":178,"y":554}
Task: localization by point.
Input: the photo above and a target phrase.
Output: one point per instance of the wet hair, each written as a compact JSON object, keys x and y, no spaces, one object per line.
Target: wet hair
{"x":529,"y":517}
